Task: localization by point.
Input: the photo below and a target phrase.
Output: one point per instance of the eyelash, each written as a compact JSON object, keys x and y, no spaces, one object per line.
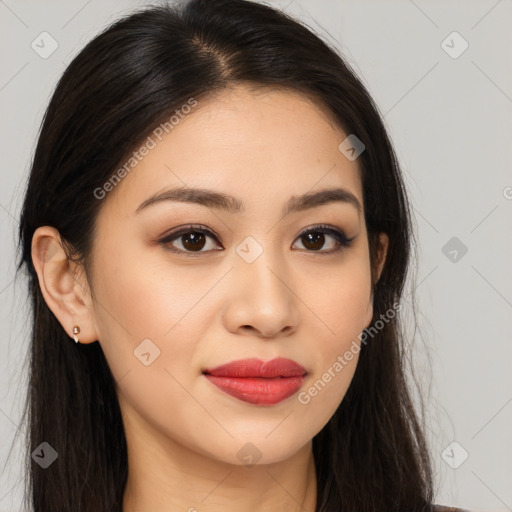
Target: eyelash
{"x":339,"y":236}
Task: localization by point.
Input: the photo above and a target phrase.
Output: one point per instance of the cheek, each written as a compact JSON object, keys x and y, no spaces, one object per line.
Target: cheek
{"x":340,"y":297}
{"x":144,"y":307}
{"x":336,"y":360}
{"x":345,"y":309}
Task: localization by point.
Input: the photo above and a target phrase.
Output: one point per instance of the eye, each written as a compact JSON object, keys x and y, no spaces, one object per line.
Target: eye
{"x":314,"y":238}
{"x":194,"y":238}
{"x":191,"y":238}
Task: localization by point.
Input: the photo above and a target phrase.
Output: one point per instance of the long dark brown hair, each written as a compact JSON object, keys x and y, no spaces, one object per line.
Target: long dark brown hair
{"x":372,"y":454}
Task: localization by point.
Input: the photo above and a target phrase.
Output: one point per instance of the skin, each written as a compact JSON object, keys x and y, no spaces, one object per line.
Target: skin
{"x":183,"y":434}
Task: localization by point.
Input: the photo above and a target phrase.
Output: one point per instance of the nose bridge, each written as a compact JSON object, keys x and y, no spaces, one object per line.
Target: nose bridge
{"x":262,"y":266}
{"x":261,"y":294}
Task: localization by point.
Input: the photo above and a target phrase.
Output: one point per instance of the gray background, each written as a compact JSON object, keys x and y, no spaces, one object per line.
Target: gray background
{"x":450,"y":120}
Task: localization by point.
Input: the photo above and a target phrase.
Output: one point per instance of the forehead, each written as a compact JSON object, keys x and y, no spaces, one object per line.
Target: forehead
{"x":257,"y":145}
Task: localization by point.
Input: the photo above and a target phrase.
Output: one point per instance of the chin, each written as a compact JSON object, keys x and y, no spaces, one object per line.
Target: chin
{"x":255,"y":450}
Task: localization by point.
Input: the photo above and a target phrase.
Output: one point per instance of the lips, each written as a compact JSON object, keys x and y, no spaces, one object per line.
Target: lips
{"x":258,"y":382}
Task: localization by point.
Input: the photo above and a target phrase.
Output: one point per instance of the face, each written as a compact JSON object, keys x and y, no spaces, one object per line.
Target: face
{"x":183,"y":287}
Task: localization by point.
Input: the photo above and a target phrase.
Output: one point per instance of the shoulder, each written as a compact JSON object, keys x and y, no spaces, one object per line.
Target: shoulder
{"x":441,"y":508}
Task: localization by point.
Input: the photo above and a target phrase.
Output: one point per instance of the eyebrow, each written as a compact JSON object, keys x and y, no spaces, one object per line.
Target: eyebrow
{"x":230,"y":204}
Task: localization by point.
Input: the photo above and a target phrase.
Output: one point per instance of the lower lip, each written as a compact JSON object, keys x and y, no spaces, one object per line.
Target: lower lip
{"x":258,"y":391}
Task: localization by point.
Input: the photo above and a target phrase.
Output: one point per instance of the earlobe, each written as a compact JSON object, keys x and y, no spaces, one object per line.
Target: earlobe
{"x":65,"y":290}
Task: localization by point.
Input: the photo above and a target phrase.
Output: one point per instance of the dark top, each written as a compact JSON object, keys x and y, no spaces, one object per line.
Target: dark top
{"x":441,"y":508}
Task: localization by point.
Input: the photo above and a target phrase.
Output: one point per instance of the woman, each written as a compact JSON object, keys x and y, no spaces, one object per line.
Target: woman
{"x":215,"y":215}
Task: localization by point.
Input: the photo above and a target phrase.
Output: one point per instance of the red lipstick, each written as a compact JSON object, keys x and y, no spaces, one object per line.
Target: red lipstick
{"x":258,"y":382}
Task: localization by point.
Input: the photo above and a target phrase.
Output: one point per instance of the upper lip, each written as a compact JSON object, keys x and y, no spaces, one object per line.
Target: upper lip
{"x":278,"y":367}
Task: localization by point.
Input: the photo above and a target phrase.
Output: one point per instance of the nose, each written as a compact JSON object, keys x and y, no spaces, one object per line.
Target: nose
{"x":261,"y":298}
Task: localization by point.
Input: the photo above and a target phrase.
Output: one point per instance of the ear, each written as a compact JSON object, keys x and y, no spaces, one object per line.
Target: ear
{"x":63,"y":284}
{"x":382,"y":252}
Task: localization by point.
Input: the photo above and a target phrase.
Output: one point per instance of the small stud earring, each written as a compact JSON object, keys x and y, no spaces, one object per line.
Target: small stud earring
{"x":76,"y":330}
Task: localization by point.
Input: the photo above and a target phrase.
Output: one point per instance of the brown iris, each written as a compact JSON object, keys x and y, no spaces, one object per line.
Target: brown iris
{"x":194,"y":241}
{"x":314,"y":240}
